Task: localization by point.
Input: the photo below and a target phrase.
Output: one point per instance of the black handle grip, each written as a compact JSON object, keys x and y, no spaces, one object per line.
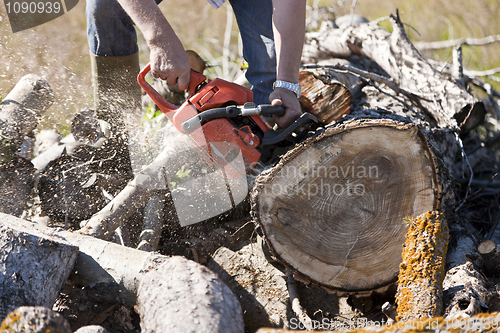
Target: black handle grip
{"x":267,"y":109}
{"x":232,"y":111}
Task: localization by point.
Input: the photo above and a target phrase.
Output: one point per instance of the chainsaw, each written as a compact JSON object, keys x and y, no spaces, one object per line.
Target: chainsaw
{"x":224,"y":124}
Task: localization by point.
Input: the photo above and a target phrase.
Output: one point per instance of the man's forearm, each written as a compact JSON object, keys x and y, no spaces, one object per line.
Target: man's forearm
{"x":148,"y":18}
{"x":289,"y":31}
{"x":167,"y":55}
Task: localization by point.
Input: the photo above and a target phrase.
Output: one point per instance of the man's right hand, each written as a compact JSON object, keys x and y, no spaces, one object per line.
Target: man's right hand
{"x":169,"y":62}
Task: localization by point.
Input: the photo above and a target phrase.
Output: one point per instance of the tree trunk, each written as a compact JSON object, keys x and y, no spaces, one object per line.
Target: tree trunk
{"x":183,"y":296}
{"x":34,"y":266}
{"x":333,"y":208}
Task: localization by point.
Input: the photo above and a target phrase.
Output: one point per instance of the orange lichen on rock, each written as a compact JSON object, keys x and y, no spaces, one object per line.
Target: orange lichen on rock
{"x":422,"y":269}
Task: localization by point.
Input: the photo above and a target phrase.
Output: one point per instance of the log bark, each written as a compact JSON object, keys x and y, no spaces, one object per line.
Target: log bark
{"x":35,"y":319}
{"x":324,"y":97}
{"x":465,"y":292}
{"x":183,"y":296}
{"x":446,"y":103}
{"x":21,"y":109}
{"x":422,"y":270}
{"x":16,"y":185}
{"x":332,"y":209}
{"x":34,"y":266}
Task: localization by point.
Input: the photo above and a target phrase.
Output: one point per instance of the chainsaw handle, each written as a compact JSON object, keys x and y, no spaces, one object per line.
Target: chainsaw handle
{"x":232,"y":111}
{"x":158,"y":99}
{"x":196,"y":80}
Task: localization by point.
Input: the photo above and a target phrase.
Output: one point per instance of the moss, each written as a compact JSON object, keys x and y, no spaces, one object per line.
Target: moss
{"x":8,"y":321}
{"x":422,"y":269}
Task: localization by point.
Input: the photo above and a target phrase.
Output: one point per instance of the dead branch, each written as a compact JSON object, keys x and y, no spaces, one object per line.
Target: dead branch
{"x":449,"y":104}
{"x":456,"y":42}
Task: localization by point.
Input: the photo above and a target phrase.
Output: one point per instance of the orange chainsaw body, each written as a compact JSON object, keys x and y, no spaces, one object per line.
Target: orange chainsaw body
{"x":220,"y":140}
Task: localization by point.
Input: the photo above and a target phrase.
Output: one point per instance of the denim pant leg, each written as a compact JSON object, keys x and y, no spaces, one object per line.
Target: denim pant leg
{"x":110,"y":31}
{"x":255,"y":23}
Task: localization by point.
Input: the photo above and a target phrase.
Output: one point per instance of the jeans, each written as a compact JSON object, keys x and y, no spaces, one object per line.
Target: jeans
{"x":111,"y":32}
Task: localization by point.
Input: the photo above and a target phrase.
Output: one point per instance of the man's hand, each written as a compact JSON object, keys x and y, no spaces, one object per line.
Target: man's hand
{"x":288,"y":99}
{"x":168,"y":58}
{"x":170,"y":63}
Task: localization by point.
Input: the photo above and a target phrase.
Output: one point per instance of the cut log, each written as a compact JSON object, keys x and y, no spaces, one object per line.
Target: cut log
{"x":323,"y":96}
{"x":465,"y":293}
{"x":153,"y":223}
{"x":21,"y":109}
{"x":333,"y":208}
{"x":491,"y":257}
{"x":34,"y":266}
{"x":183,"y":296}
{"x":35,"y":319}
{"x":421,"y":275}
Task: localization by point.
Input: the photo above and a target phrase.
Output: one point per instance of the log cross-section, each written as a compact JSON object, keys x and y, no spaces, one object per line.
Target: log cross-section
{"x":333,"y":208}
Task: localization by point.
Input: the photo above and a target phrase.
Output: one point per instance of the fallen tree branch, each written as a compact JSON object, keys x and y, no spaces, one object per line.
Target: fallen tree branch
{"x":455,"y":42}
{"x":450,"y":104}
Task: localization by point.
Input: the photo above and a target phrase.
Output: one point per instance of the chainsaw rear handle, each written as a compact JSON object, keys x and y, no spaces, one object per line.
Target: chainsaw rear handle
{"x":197,"y":79}
{"x":232,"y":111}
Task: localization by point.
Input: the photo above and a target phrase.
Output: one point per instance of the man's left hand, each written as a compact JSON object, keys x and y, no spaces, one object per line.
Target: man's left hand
{"x":287,"y":99}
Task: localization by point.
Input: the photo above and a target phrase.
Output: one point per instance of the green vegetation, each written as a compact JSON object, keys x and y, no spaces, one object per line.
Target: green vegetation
{"x":180,"y":177}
